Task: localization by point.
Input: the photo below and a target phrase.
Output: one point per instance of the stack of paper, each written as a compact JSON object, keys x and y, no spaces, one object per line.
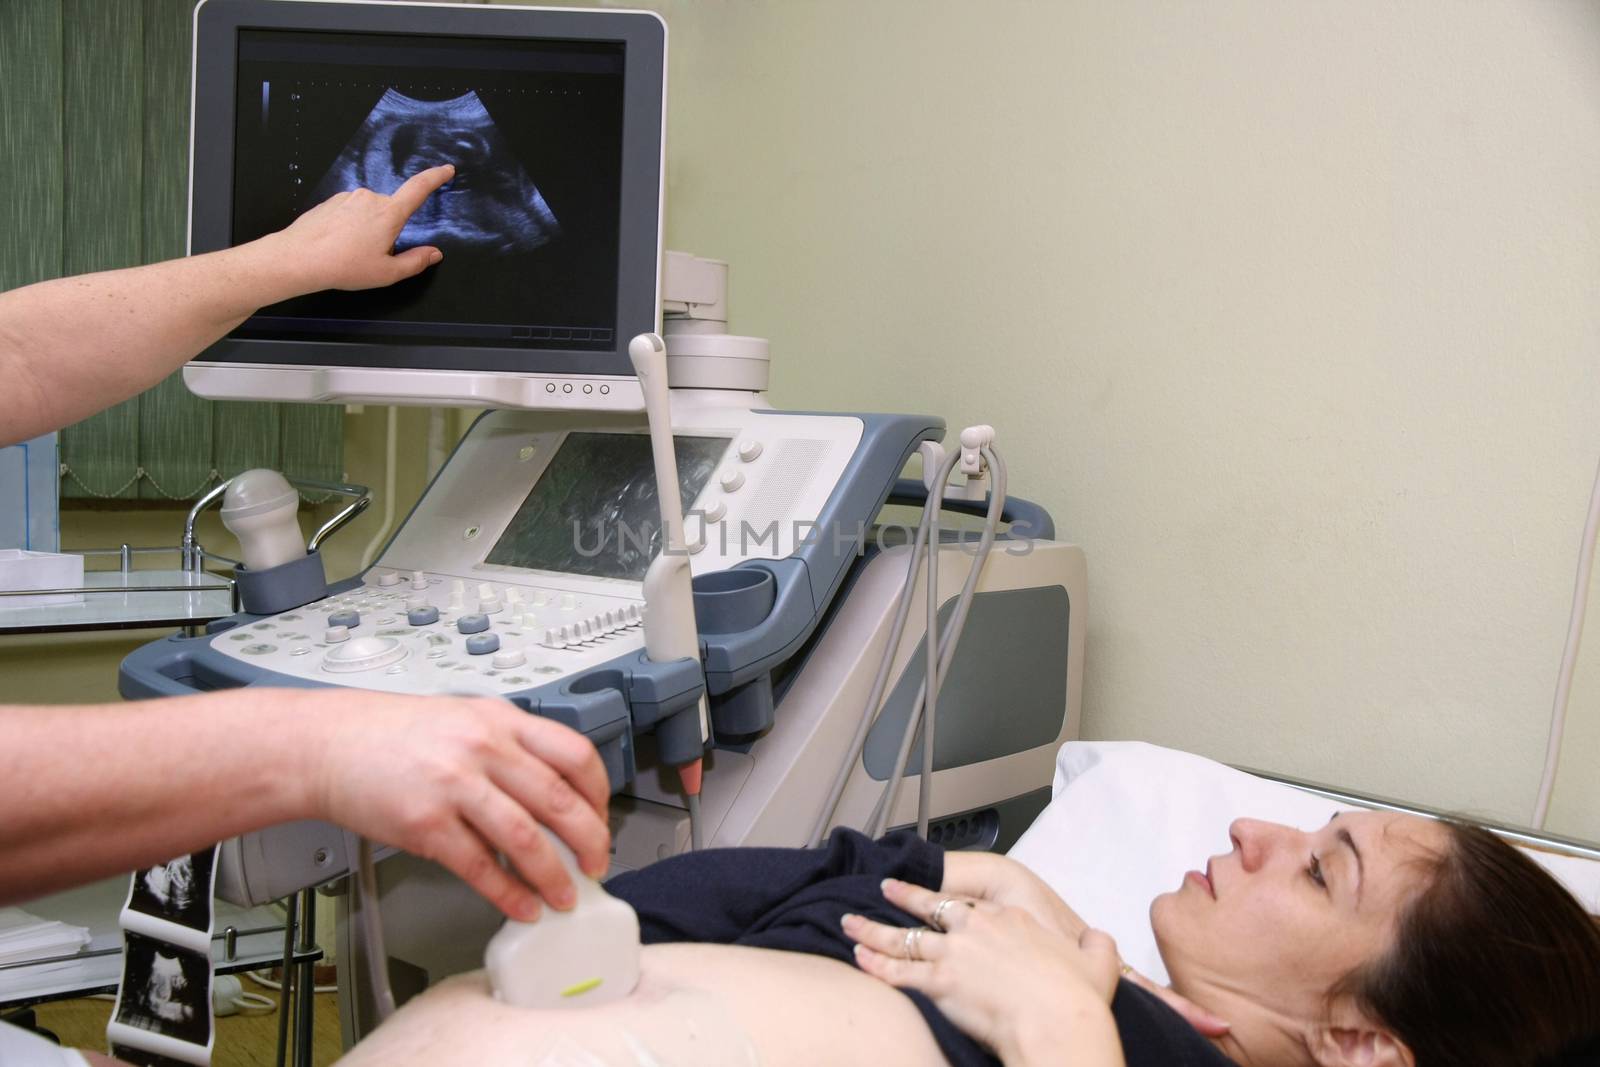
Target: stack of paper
{"x":26,"y":937}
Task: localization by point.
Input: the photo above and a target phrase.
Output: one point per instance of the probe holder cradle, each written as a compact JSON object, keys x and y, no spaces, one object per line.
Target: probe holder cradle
{"x":608,"y":704}
{"x":735,"y":601}
{"x":281,"y":588}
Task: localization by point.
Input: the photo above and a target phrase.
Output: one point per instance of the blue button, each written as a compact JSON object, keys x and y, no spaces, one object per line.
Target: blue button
{"x":483,"y":644}
{"x":423,"y":616}
{"x":472,"y":624}
{"x":345,"y":618}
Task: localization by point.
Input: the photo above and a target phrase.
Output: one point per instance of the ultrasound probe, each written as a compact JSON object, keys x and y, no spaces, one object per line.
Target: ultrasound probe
{"x":670,"y":631}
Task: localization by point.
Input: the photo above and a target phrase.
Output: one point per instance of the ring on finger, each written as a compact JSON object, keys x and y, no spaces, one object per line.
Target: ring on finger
{"x":936,"y":920}
{"x":913,"y":944}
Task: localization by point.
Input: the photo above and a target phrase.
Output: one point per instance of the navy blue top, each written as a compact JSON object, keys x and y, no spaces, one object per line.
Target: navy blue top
{"x":793,"y":899}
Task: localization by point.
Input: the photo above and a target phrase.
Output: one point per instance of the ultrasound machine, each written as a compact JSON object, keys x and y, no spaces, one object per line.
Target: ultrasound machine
{"x":521,"y":571}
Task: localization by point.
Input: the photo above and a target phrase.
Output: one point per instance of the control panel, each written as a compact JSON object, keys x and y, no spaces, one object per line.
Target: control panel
{"x":523,"y":563}
{"x":415,"y":632}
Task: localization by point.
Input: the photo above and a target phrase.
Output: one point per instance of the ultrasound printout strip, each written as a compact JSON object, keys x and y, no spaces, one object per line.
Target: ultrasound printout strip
{"x":163,"y":1013}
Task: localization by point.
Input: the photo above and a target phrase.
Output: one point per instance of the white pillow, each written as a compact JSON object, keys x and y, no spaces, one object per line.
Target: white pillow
{"x":1129,"y":819}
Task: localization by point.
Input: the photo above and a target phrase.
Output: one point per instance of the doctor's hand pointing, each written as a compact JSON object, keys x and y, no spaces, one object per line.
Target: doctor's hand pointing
{"x":74,"y":346}
{"x":349,"y":238}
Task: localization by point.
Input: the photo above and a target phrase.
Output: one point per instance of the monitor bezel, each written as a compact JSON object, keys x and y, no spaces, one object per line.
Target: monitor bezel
{"x":211,"y":170}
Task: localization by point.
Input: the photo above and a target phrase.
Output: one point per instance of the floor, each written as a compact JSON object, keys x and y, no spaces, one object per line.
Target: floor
{"x":242,"y":1040}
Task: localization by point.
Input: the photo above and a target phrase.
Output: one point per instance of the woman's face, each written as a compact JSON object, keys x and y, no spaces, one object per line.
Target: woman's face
{"x":1288,"y":913}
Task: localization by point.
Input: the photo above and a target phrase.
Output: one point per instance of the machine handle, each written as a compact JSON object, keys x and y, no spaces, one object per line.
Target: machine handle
{"x":1033,"y":518}
{"x":159,"y":669}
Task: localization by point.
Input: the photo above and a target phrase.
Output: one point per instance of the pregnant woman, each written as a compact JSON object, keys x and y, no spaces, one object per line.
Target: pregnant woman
{"x":1377,"y":940}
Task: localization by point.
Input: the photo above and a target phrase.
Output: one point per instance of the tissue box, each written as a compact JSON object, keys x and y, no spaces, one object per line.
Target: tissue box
{"x":21,"y":569}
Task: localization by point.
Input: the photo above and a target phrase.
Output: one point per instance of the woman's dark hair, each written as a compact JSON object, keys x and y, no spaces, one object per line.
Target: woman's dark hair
{"x":1493,"y":963}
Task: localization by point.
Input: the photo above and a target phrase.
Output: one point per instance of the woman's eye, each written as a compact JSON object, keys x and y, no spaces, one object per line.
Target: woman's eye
{"x":1314,"y":871}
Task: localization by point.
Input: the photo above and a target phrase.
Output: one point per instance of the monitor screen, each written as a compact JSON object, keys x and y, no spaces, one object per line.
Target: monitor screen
{"x":528,"y":225}
{"x":595,"y":511}
{"x":550,"y":228}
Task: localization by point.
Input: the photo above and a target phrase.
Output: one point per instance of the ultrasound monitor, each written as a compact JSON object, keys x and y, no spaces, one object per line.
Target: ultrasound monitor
{"x":551,"y":228}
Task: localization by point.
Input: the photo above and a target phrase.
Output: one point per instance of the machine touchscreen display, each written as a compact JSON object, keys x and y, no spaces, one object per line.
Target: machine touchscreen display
{"x":529,"y":225}
{"x":595,"y":511}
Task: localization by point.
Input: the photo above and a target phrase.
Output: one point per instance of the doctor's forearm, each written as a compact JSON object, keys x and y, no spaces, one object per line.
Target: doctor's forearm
{"x":74,"y":346}
{"x":91,"y":791}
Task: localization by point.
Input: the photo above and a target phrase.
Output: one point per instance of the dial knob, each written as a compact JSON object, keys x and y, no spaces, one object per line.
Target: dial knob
{"x":363,"y":654}
{"x":508,"y":659}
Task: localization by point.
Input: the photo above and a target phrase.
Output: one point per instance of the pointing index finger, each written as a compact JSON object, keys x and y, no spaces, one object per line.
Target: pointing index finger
{"x":420,"y":186}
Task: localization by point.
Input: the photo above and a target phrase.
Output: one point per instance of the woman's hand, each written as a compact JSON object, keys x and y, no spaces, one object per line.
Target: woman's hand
{"x":1002,"y":880}
{"x":1003,"y":977}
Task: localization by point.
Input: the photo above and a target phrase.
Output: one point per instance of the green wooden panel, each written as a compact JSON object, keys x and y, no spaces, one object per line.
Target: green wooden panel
{"x":103,"y":102}
{"x":167,"y":28}
{"x":313,"y":441}
{"x":175,"y":426}
{"x":94,"y":147}
{"x":103,"y":82}
{"x":247,"y":436}
{"x":30,"y":141}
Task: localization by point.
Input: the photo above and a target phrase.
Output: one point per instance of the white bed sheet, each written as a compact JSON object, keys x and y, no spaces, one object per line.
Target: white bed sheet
{"x":1128,"y":819}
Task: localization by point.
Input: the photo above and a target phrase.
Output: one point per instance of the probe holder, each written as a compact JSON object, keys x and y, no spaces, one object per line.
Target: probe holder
{"x":731,"y":602}
{"x":281,"y":588}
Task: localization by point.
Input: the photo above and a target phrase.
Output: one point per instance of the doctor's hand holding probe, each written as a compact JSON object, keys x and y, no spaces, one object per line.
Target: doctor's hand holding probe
{"x":89,"y":791}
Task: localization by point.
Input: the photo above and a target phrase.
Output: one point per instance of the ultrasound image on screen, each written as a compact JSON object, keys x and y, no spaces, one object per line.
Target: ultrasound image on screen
{"x":530,"y":223}
{"x":595,"y":510}
{"x":491,"y":205}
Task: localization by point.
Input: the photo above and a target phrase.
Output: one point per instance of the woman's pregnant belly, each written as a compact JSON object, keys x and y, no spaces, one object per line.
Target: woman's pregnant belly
{"x":696,"y":1006}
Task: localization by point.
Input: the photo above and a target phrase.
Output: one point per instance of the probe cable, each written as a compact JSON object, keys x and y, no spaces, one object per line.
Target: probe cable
{"x":879,"y":682}
{"x":1569,"y":658}
{"x":925,"y":704}
{"x":928,"y":534}
{"x":366,"y":902}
